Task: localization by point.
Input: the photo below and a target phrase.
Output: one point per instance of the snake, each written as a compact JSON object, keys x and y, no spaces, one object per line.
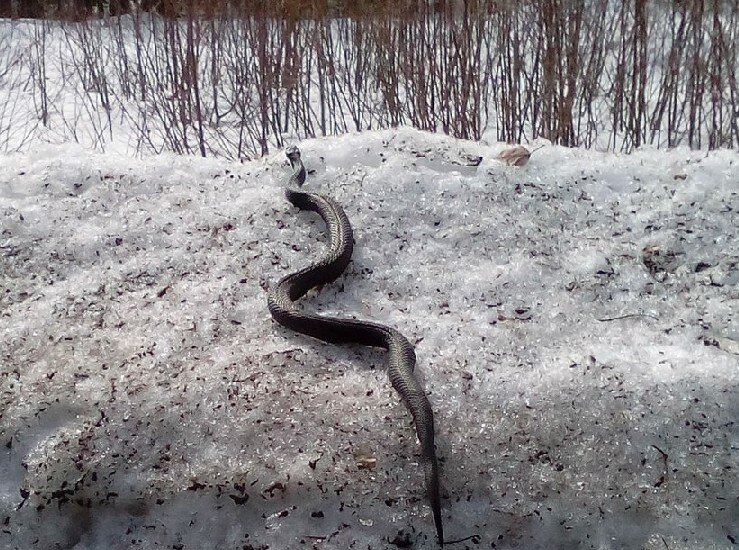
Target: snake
{"x":401,"y":357}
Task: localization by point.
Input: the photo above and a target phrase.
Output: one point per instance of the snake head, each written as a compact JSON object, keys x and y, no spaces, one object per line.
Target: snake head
{"x":298,"y":177}
{"x":292,"y":153}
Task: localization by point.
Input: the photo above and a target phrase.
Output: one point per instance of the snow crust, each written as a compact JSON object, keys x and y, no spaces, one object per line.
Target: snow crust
{"x":575,"y":323}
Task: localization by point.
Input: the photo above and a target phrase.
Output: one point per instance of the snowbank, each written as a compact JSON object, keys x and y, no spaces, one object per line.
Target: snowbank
{"x":575,"y":323}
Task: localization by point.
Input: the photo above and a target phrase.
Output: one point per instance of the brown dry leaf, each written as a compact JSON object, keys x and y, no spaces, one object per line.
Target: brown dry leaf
{"x":364,"y":459}
{"x":515,"y":156}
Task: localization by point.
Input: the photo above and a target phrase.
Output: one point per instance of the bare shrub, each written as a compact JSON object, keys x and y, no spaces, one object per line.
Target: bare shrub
{"x":235,"y":78}
{"x":15,"y":79}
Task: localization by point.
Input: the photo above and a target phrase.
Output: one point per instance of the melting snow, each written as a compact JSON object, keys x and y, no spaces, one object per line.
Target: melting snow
{"x":575,"y":323}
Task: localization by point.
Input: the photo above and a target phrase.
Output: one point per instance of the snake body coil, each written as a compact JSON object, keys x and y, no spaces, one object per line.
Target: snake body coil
{"x":401,"y":357}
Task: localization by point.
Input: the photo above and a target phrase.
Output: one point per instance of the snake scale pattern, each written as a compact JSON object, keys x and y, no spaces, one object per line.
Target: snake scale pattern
{"x":401,"y":358}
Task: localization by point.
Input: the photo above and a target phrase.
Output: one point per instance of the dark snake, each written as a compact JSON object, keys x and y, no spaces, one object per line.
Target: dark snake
{"x":401,"y":357}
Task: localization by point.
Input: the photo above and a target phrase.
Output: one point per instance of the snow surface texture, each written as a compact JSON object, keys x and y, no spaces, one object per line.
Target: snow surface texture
{"x":575,"y":323}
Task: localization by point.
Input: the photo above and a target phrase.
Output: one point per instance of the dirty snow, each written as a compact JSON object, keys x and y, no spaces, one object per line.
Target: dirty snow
{"x":575,"y":323}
